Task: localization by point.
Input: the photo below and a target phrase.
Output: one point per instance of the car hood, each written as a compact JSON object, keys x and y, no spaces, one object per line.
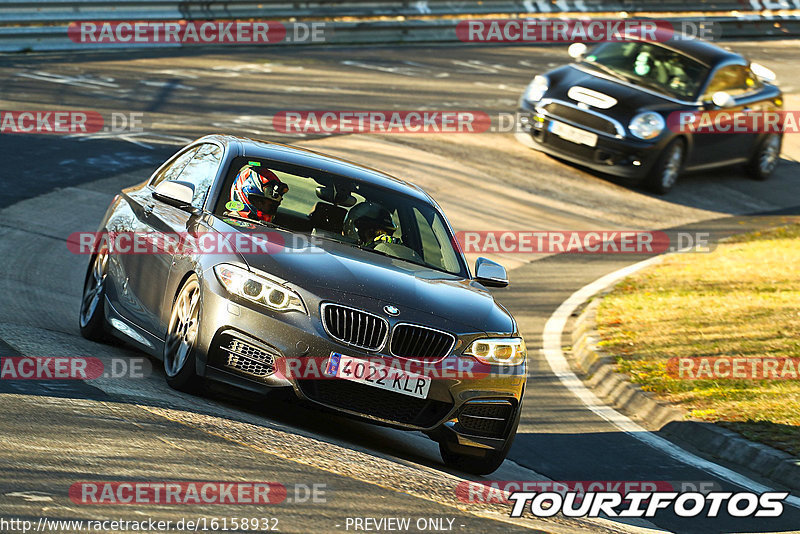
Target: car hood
{"x":630,"y":100}
{"x":348,"y":275}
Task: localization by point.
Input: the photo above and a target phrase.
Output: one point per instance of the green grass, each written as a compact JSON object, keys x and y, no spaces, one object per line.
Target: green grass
{"x":743,"y":299}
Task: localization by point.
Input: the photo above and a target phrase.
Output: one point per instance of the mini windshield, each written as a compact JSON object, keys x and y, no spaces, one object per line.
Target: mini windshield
{"x":337,"y":208}
{"x":651,"y":65}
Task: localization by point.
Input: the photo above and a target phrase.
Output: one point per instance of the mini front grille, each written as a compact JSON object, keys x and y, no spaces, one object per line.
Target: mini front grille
{"x":355,"y":327}
{"x":580,"y":117}
{"x":248,"y":358}
{"x":574,"y":149}
{"x":420,"y":343}
{"x":488,"y":419}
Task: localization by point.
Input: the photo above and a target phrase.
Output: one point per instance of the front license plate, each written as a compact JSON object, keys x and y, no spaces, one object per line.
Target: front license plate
{"x":378,"y":375}
{"x":572,"y":134}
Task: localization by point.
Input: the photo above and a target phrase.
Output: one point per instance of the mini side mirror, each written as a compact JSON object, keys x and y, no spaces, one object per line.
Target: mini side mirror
{"x":763,"y":73}
{"x":723,"y":100}
{"x":577,"y":50}
{"x":490,"y":274}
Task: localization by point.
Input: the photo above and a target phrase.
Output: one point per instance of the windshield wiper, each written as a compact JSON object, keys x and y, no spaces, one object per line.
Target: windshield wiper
{"x":353,"y":245}
{"x":631,"y":79}
{"x":606,"y":69}
{"x":427,"y":266}
{"x":652,"y":85}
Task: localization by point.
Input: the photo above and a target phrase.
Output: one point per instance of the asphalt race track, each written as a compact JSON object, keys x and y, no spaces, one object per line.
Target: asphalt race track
{"x":55,"y":434}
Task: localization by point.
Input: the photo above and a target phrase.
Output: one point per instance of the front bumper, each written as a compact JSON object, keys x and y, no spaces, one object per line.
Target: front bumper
{"x":619,"y":156}
{"x":453,"y":406}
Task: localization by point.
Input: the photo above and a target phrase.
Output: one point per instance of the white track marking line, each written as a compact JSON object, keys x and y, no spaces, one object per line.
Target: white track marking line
{"x":77,"y":81}
{"x":552,"y":334}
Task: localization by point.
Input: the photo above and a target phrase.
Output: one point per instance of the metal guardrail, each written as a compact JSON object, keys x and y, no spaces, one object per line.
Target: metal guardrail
{"x":42,"y":24}
{"x":53,"y":11}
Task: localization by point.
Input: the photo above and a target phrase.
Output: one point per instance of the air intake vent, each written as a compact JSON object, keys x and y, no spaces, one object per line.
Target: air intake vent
{"x":354,"y":327}
{"x":370,"y":401}
{"x":486,"y":418}
{"x":248,"y":358}
{"x":420,"y":343}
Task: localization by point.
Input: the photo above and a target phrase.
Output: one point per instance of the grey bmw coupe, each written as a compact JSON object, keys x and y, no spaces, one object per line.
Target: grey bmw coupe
{"x":266,"y":266}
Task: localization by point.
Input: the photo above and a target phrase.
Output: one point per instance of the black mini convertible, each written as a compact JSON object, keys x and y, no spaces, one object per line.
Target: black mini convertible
{"x":614,"y":108}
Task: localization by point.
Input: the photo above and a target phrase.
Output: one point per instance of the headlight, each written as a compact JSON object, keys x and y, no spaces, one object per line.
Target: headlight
{"x":258,"y":289}
{"x":536,"y":89}
{"x":647,"y":125}
{"x":498,"y":351}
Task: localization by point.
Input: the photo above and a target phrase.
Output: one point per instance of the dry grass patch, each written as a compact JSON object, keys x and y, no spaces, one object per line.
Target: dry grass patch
{"x":742,"y":300}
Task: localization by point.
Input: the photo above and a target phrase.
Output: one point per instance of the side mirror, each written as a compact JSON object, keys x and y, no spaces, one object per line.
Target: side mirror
{"x":175,"y":193}
{"x":763,"y":73}
{"x":577,"y":50}
{"x":490,"y":274}
{"x":723,"y":100}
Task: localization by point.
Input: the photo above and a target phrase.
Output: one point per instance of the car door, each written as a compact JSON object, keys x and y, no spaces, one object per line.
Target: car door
{"x":745,"y":88}
{"x":127,"y":265}
{"x":161,"y":219}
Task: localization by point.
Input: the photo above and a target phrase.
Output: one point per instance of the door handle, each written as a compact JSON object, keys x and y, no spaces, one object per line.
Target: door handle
{"x":148,"y":210}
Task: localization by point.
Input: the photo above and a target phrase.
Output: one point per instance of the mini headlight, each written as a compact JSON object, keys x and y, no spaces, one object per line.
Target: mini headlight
{"x":647,"y":125}
{"x":259,"y":289}
{"x":536,"y":89}
{"x":498,"y":351}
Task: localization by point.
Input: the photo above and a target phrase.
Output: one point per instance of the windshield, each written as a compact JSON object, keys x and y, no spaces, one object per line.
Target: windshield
{"x":337,"y":208}
{"x":652,"y":66}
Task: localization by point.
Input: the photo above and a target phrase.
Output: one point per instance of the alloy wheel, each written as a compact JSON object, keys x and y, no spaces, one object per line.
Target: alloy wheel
{"x":94,"y":288}
{"x":672,"y":167}
{"x":769,"y":154}
{"x":183,"y":327}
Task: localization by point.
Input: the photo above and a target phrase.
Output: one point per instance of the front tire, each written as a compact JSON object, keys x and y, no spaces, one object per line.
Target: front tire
{"x":180,"y":346}
{"x":668,"y":168}
{"x":92,"y":313}
{"x":765,"y":158}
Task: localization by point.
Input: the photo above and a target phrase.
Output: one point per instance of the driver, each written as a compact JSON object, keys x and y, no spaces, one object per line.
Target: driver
{"x":643,"y":64}
{"x":259,"y":191}
{"x":369,"y":224}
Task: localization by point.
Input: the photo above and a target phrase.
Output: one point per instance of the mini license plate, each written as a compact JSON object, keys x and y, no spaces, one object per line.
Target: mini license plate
{"x":572,"y":134}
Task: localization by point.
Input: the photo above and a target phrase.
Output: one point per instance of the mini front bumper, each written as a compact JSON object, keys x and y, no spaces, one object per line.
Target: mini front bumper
{"x":620,"y":156}
{"x":298,"y":336}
